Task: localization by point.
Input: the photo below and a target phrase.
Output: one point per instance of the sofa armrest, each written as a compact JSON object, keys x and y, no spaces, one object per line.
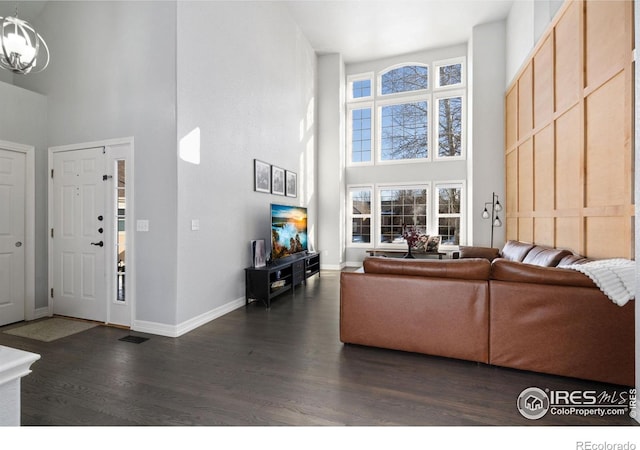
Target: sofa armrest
{"x":467,"y":269}
{"x":504,"y":270}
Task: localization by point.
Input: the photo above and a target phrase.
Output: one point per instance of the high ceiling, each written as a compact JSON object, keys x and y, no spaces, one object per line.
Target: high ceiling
{"x":364,"y":30}
{"x":27,"y":9}
{"x":370,"y":29}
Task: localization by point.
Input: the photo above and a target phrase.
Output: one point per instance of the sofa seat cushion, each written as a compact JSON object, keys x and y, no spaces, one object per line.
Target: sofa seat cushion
{"x":464,"y":269}
{"x":515,"y":250}
{"x":545,"y":256}
{"x":503,"y":270}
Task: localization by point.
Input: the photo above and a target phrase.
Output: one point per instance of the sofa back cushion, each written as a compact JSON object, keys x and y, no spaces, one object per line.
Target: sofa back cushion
{"x":572,"y":259}
{"x":515,"y":250}
{"x":513,"y":271}
{"x":488,"y":253}
{"x":545,"y":257}
{"x":465,"y":269}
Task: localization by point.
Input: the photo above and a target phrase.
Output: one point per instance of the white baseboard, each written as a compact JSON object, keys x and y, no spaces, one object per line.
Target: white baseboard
{"x":332,"y":266}
{"x":162,"y":329}
{"x":353,"y":264}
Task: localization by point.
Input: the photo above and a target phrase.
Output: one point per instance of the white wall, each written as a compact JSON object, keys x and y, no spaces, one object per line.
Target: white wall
{"x":486,"y":147}
{"x":243,"y":73}
{"x":112,"y":74}
{"x":331,"y":161}
{"x":24,"y":121}
{"x":526,"y":23}
{"x":246,"y":78}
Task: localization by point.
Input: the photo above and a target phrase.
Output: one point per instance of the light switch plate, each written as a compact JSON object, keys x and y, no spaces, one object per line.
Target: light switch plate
{"x":142,"y":225}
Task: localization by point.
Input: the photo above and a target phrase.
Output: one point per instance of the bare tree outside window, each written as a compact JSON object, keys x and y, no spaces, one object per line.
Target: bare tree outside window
{"x":405,"y":79}
{"x":405,"y":131}
{"x":450,"y":126}
{"x":450,"y":75}
{"x":404,"y":127}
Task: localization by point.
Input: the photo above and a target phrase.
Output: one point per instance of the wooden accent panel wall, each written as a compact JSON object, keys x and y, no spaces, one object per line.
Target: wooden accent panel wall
{"x":569,"y":134}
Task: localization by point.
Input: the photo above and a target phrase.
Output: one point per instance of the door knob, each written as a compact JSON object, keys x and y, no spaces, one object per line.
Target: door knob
{"x":99,"y":244}
{"x":18,"y":244}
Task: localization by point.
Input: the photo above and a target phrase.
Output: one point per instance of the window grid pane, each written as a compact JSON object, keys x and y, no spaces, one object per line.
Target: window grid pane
{"x":361,"y":216}
{"x":404,"y":131}
{"x":399,"y":207}
{"x":449,"y":214}
{"x":361,"y":88}
{"x":361,"y":230}
{"x":361,"y":135}
{"x":405,"y":79}
{"x":450,"y":127}
{"x":450,"y":75}
{"x":121,"y":195}
{"x":449,"y":230}
{"x":361,"y":201}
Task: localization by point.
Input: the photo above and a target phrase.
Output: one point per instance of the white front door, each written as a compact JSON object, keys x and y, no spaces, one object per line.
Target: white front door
{"x":78,"y":234}
{"x":12,"y":236}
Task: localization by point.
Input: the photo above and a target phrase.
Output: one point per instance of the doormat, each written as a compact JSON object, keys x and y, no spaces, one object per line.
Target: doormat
{"x":49,"y":330}
{"x":133,"y":339}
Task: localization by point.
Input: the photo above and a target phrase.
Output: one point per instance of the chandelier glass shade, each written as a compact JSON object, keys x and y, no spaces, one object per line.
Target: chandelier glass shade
{"x":22,"y":49}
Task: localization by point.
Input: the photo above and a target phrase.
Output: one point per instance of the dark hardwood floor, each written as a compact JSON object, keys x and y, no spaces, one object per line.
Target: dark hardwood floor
{"x":284,"y":366}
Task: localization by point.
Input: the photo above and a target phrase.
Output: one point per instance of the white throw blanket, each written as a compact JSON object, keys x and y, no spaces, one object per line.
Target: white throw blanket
{"x":615,"y":277}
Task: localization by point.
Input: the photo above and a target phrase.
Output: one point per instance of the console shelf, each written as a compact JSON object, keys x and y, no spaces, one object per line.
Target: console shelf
{"x":265,"y":283}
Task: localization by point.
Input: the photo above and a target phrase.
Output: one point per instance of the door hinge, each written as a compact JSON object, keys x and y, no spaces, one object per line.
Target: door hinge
{"x":52,"y":173}
{"x":52,"y":232}
{"x":51,"y":292}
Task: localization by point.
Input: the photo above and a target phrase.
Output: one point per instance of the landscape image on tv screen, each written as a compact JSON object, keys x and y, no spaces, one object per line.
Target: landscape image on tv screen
{"x":288,"y":230}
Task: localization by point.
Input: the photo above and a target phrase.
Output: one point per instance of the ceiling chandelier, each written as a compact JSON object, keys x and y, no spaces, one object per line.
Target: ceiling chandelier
{"x":21,"y":47}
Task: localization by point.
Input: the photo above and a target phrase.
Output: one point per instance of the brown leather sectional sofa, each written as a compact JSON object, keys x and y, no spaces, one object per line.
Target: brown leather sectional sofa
{"x":514,"y":308}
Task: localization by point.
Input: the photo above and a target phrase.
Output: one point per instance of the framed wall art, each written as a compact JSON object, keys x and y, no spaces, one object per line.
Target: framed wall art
{"x":292,"y":184}
{"x":277,"y":180}
{"x":262,"y":176}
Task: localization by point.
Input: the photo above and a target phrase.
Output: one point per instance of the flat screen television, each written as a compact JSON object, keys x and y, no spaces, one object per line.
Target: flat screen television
{"x":288,"y":230}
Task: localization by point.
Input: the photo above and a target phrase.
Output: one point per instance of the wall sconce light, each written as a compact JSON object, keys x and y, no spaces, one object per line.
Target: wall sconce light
{"x":496,"y":207}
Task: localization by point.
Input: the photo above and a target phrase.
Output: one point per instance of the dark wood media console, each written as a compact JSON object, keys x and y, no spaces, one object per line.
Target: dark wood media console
{"x":265,"y":283}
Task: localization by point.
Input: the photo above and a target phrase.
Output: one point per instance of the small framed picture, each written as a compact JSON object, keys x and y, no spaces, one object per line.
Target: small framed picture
{"x":292,"y":184}
{"x":262,"y":176}
{"x":277,"y":180}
